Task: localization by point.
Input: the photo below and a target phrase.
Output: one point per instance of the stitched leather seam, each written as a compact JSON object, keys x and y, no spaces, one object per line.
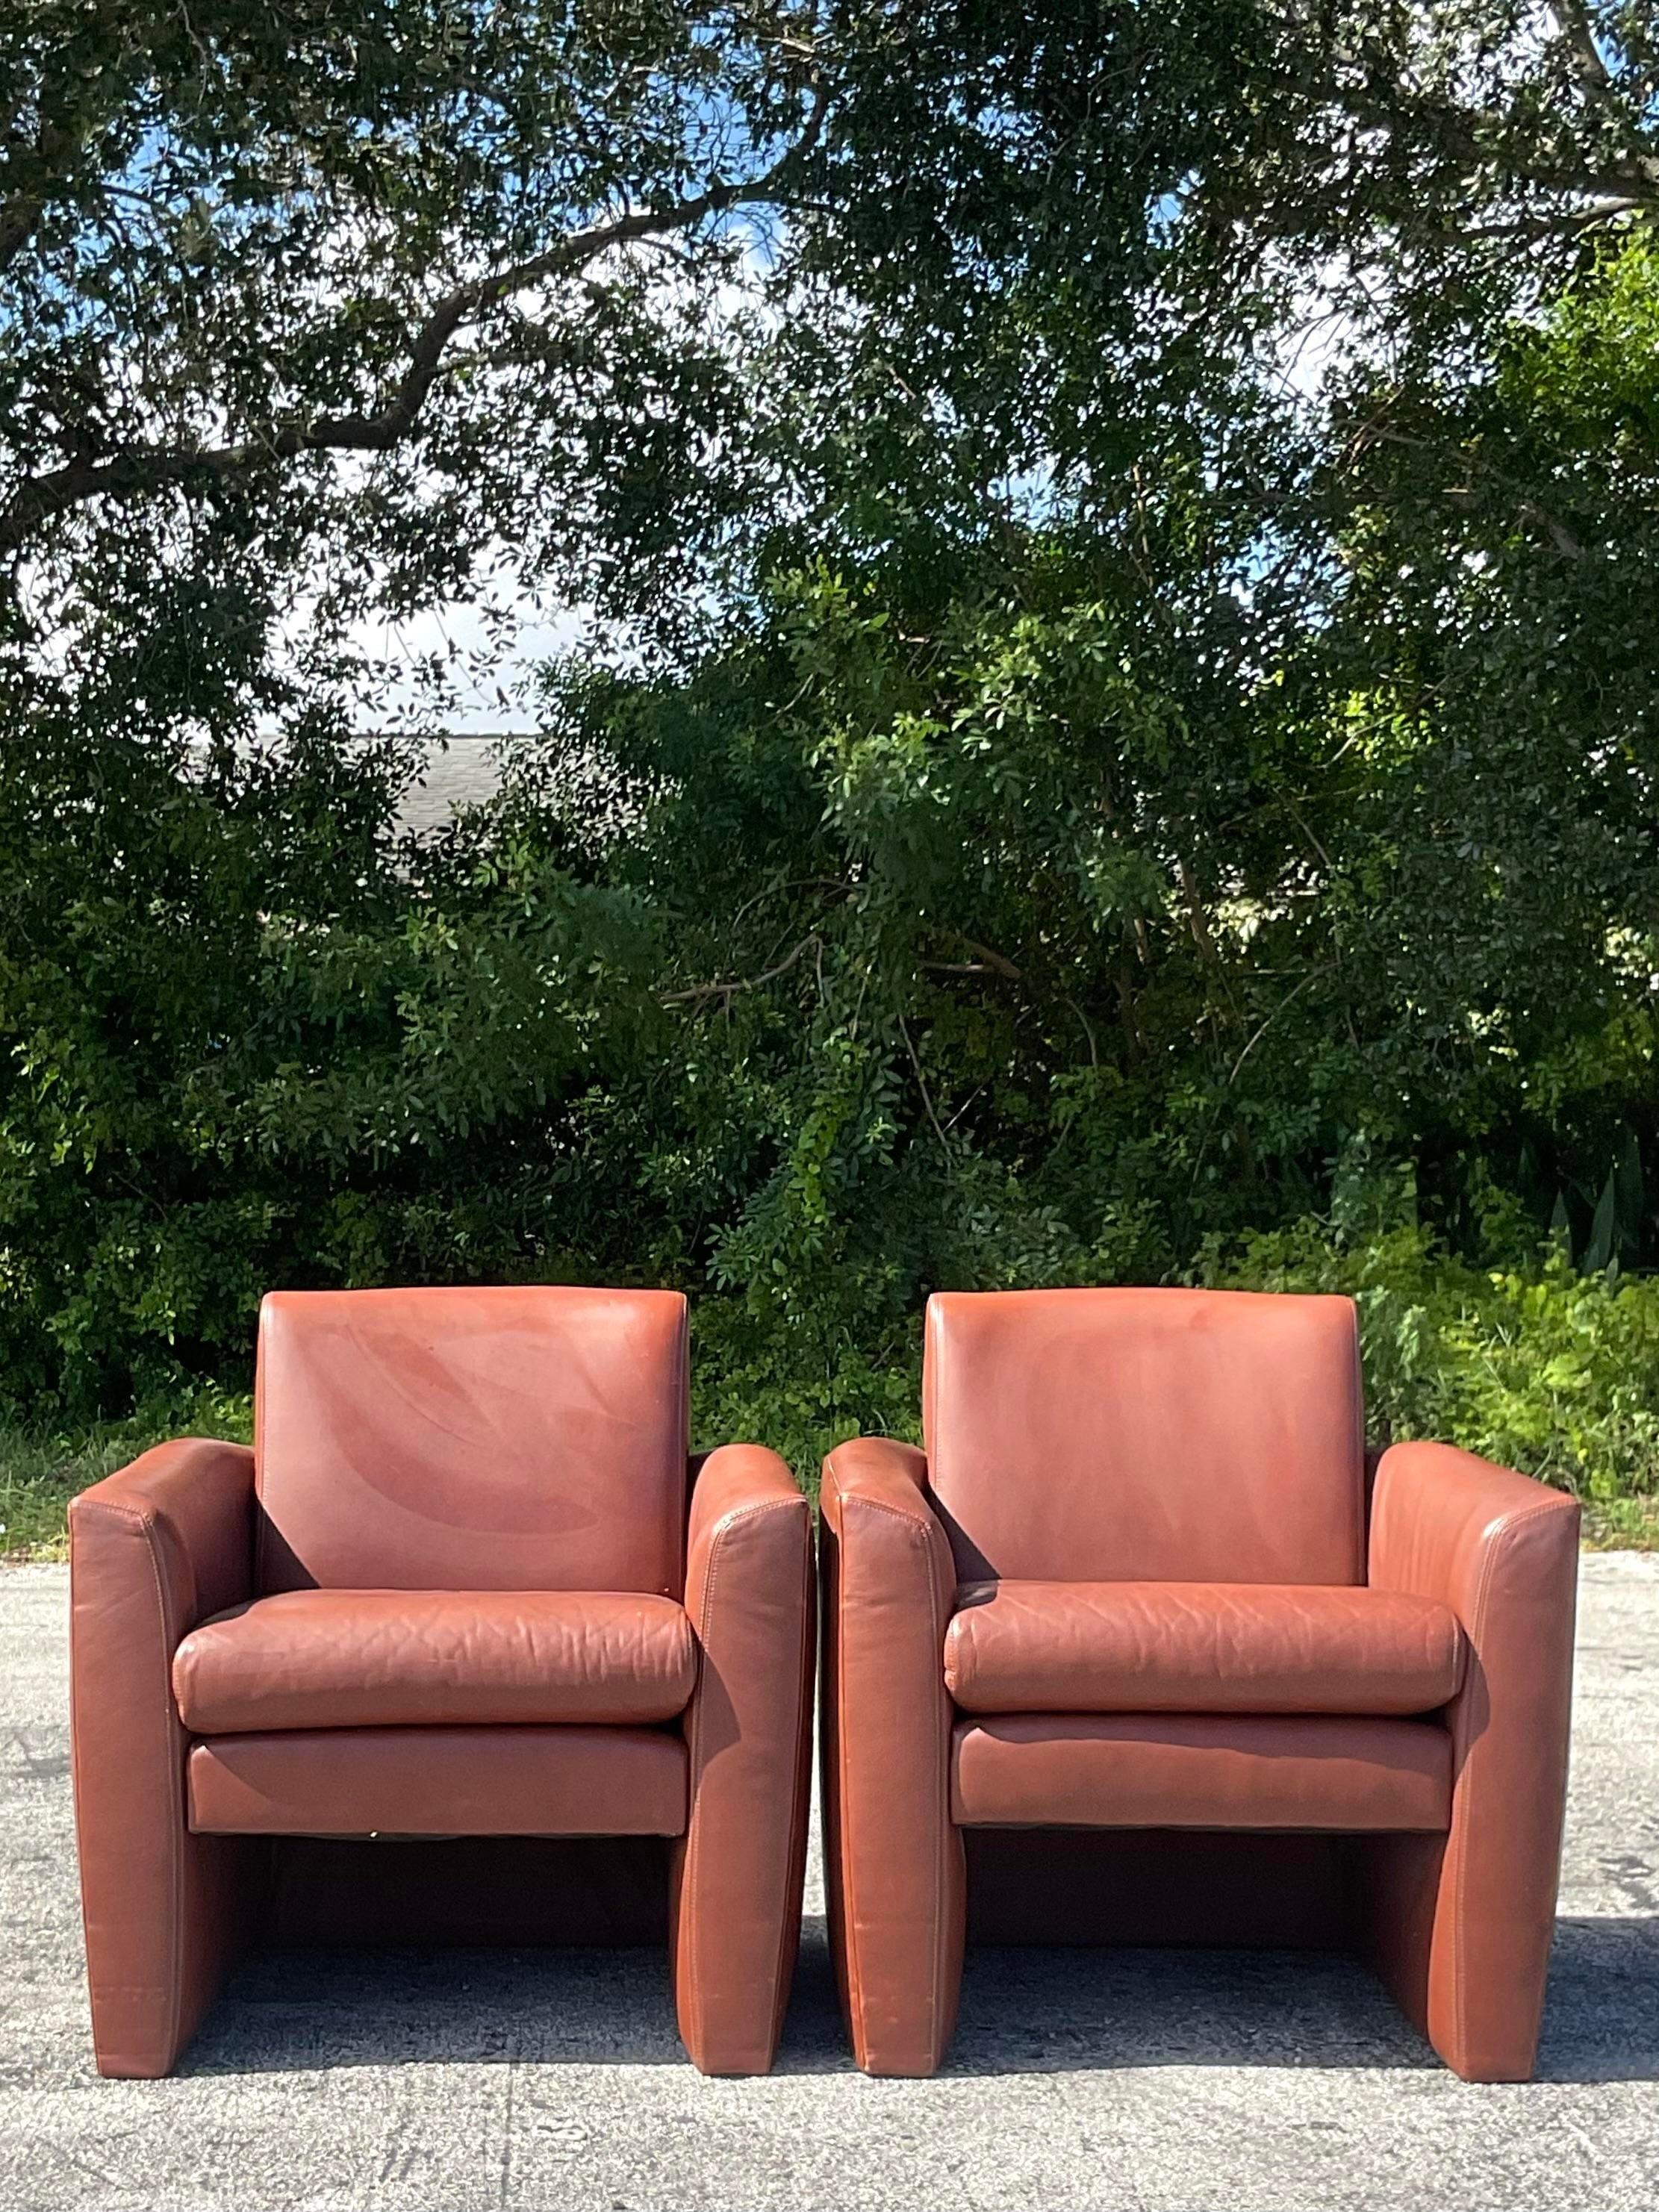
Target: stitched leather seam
{"x":844,"y":1858}
{"x":1360,"y":1536}
{"x":685,"y":1338}
{"x":694,"y":1753}
{"x":752,"y":1513}
{"x":145,"y":1524}
{"x":260,"y":1397}
{"x":845,"y":1825}
{"x":1496,"y":1541}
{"x":941,"y":1805}
{"x":932,"y":1353}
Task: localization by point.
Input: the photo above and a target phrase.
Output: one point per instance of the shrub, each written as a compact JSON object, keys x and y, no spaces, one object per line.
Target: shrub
{"x":1546,"y":1370}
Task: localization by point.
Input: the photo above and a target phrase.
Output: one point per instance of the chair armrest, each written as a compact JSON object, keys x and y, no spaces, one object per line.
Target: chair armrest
{"x":1469,"y":1952}
{"x":1502,"y":1551}
{"x":750,"y":1594}
{"x":895,"y":1860}
{"x":883,"y":1472}
{"x":1482,"y":1539}
{"x":897,"y":1578}
{"x":730,"y":1483}
{"x":894,"y":1574}
{"x":179,"y":1519}
{"x":153,"y":1551}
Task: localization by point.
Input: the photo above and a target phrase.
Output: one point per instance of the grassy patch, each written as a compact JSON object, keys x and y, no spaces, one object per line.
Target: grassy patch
{"x":40,"y":1471}
{"x":1624,"y":1524}
{"x":40,"y":1474}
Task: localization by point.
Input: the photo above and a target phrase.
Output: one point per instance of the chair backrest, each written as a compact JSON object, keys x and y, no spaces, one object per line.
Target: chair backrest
{"x":519,"y":1438}
{"x":1146,"y":1435}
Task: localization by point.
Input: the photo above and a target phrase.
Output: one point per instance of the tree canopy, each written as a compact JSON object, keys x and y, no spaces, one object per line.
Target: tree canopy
{"x":1118,"y":709}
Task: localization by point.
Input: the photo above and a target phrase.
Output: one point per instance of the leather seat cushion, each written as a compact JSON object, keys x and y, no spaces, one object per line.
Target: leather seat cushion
{"x":377,"y":1658}
{"x":440,"y":1782}
{"x":1358,"y":1774}
{"x":1016,"y":1647}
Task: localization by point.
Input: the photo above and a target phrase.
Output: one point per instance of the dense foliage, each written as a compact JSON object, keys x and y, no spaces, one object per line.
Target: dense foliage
{"x":1117,"y":739}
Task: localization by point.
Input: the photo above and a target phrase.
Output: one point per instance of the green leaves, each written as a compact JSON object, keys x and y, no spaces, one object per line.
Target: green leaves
{"x":1118,"y":712}
{"x":1542,"y":1369}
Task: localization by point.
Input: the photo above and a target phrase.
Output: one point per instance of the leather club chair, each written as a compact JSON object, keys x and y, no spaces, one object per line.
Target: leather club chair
{"x":1129,"y":1655}
{"x":464,"y":1585}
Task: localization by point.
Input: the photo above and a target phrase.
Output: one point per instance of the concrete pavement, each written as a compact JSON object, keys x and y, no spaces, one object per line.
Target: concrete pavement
{"x":442,"y":2082}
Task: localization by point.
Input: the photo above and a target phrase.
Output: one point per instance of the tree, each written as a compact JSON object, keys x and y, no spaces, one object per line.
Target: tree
{"x":1133,"y":532}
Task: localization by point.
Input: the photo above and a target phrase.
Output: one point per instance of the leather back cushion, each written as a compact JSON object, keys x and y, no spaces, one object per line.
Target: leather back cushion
{"x":1146,"y":1435}
{"x":521,"y":1438}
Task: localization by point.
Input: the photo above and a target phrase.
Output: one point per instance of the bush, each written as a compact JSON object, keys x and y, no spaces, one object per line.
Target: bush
{"x":1546,"y":1370}
{"x":801,"y":1384}
{"x":41,"y":1471}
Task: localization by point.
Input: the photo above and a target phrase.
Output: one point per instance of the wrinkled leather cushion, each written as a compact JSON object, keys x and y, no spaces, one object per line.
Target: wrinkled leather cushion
{"x":1016,"y":1647}
{"x":340,"y":1659}
{"x":440,"y":1782}
{"x":1358,"y":1775}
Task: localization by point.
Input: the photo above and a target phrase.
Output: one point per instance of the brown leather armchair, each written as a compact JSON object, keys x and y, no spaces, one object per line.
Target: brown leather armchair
{"x":1124,"y":1657}
{"x":463,"y":1585}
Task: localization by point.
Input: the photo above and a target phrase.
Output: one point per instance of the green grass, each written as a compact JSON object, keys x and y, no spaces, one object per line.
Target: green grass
{"x":40,"y":1472}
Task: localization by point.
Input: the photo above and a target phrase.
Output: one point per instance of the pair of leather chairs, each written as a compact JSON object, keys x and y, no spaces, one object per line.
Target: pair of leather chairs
{"x":1143,"y":1648}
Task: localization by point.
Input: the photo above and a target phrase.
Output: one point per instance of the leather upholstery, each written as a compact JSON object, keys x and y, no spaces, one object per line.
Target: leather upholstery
{"x":894,"y":1859}
{"x":1200,"y":1770}
{"x":519,"y":1438}
{"x":1146,"y":1436}
{"x":736,"y":1878}
{"x":440,"y":1782}
{"x":1198,"y":1648}
{"x":343,"y":1659}
{"x":151,"y":1550}
{"x":1163,"y":1627}
{"x":1463,"y":1927}
{"x":441,"y":1599}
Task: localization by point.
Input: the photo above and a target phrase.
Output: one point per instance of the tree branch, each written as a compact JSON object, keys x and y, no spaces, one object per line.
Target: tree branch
{"x":695,"y":993}
{"x":1629,"y":178}
{"x":145,"y":467}
{"x":18,"y":216}
{"x":22,"y":206}
{"x":1573,"y":21}
{"x":998,"y":962}
{"x":921,"y":1086}
{"x":1462,"y":496}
